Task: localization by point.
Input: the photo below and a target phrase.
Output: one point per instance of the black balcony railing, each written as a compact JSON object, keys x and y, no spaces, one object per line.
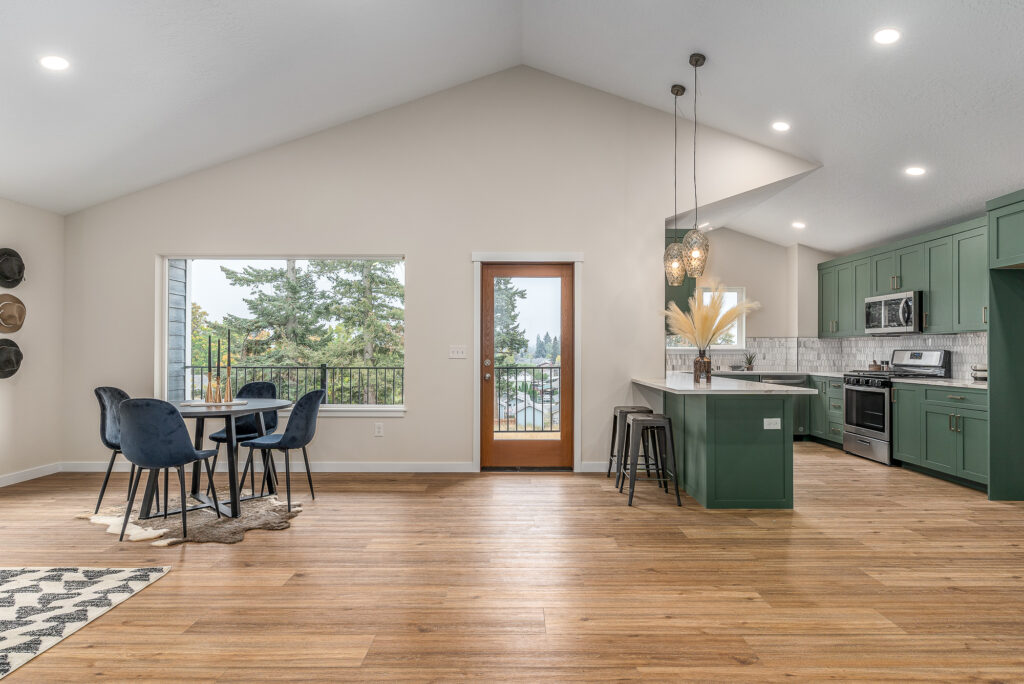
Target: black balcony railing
{"x":362,"y":385}
{"x":527,"y":398}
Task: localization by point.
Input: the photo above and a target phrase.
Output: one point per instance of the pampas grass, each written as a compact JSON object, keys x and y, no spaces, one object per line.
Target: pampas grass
{"x":705,"y":323}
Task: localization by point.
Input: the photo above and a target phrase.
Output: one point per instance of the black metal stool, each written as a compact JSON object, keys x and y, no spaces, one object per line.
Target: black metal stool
{"x":620,"y":439}
{"x":656,"y":430}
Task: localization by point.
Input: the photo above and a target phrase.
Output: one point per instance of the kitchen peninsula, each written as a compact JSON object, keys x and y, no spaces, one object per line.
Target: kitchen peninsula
{"x":734,"y":439}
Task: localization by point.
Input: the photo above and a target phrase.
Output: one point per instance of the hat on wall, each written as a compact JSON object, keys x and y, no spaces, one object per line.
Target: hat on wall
{"x":12,"y":313}
{"x":12,"y":268}
{"x":10,"y":358}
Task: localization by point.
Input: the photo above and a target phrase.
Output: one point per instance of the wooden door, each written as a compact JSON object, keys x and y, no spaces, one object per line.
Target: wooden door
{"x":526,"y":366}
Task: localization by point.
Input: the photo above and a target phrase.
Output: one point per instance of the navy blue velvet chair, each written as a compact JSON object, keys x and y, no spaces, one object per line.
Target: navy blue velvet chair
{"x":297,"y":435}
{"x":154,"y":437}
{"x":110,"y":399}
{"x":247,"y":427}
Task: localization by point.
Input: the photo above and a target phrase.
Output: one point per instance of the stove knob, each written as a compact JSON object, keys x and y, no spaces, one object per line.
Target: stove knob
{"x":876,"y":383}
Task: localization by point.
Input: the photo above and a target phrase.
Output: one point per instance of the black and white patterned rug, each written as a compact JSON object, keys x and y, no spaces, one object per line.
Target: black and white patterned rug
{"x":41,"y":606}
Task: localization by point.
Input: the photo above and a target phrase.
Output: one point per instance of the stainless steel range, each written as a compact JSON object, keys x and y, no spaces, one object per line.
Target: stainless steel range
{"x":867,"y":400}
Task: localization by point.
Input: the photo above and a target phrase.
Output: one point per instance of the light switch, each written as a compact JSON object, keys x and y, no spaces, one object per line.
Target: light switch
{"x":457,"y":351}
{"x":772,"y":423}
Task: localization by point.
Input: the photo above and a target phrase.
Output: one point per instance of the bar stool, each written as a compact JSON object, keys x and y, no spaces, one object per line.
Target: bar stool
{"x":620,"y":438}
{"x":656,"y":430}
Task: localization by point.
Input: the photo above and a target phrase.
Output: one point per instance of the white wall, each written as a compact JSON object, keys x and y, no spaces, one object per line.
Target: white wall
{"x":805,"y":296}
{"x":30,"y":400}
{"x":517,"y":161}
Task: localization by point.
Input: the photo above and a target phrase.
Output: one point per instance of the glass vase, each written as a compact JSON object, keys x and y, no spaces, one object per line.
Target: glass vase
{"x":702,"y":367}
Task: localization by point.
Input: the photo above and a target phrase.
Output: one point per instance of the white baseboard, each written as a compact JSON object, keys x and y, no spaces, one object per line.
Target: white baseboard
{"x":30,"y":474}
{"x":593,"y":467}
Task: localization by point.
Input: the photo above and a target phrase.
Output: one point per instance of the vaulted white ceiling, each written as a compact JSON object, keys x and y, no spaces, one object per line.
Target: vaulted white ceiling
{"x":157,"y":89}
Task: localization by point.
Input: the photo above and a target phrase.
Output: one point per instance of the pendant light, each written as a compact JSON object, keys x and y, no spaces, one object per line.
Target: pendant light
{"x":695,"y":244}
{"x":675,"y":266}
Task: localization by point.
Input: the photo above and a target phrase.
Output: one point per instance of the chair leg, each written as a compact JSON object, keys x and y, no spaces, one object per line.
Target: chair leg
{"x":623,"y":445}
{"x":252,"y":477}
{"x":288,"y":477}
{"x":106,"y":478}
{"x":209,"y":476}
{"x":611,"y":451}
{"x":309,"y":475}
{"x":647,"y":452}
{"x":215,"y":457}
{"x":245,"y":471}
{"x":634,"y":456}
{"x":131,"y":501}
{"x":166,"y":489}
{"x":668,"y":449}
{"x":131,"y":478}
{"x":156,"y":494}
{"x":184,"y":506}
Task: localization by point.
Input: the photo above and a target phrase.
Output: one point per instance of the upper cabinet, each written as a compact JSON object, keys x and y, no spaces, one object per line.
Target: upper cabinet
{"x":1006,"y":227}
{"x":948,"y":266}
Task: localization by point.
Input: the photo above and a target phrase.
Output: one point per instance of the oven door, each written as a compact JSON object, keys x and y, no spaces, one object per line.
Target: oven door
{"x":867,"y":411}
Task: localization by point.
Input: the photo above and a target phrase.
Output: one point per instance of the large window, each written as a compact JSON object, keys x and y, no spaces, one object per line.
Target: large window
{"x":303,"y":324}
{"x":733,"y":337}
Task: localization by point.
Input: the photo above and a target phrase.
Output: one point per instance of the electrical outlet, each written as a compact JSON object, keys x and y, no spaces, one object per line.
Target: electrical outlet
{"x":457,"y":351}
{"x":378,"y":429}
{"x":772,"y":423}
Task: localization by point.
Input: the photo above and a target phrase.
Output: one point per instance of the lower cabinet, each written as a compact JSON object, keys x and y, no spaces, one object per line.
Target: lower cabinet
{"x":954,"y":440}
{"x":906,"y":423}
{"x":826,"y":409}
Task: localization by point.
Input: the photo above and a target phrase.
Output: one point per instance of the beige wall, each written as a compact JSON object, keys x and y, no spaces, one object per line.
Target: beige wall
{"x":519,"y":161}
{"x":805,"y":295}
{"x":30,"y":400}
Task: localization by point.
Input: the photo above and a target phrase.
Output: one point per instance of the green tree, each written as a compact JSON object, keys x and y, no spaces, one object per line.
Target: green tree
{"x":509,"y":337}
{"x":289,"y":320}
{"x":555,"y":350}
{"x":538,"y":347}
{"x":368,"y":298}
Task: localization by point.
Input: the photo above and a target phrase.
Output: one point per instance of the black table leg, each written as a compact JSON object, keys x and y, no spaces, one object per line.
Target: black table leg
{"x":200,"y":424}
{"x":232,"y":449}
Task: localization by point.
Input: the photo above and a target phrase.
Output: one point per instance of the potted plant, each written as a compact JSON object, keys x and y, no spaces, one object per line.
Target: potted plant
{"x":748,"y":360}
{"x":704,"y":323}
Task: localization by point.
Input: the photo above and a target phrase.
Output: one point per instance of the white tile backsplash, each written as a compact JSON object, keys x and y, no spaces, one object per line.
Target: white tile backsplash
{"x":810,"y":354}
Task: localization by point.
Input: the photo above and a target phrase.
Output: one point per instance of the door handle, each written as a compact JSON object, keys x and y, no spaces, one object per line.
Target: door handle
{"x":984,"y":315}
{"x":959,"y":423}
{"x":951,"y":423}
{"x":487,"y":376}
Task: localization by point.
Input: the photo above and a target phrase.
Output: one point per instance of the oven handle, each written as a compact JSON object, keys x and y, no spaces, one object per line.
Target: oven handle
{"x":861,"y":388}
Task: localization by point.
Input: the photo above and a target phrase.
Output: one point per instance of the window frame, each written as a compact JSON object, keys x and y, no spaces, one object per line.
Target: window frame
{"x":162,"y":326}
{"x":741,"y":326}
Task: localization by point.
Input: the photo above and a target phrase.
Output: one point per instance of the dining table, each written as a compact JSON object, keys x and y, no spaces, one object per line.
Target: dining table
{"x":230,"y":413}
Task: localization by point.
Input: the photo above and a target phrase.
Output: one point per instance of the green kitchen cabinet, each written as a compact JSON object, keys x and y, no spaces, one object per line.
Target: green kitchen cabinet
{"x":937,"y":306}
{"x":970,"y":281}
{"x":883,"y":273}
{"x":853,"y":284}
{"x":911,"y":268}
{"x":972,"y":454}
{"x":1006,"y":231}
{"x":828,"y":302}
{"x":906,"y":423}
{"x":819,"y":408}
{"x":940,"y":443}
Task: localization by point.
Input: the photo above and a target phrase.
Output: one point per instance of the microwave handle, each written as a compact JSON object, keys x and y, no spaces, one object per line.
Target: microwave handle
{"x":906,"y":311}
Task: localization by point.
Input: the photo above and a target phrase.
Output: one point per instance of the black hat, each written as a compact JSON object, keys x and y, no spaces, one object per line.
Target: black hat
{"x":10,"y":358}
{"x":12,"y":268}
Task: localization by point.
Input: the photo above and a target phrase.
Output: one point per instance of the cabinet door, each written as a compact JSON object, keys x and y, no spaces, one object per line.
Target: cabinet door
{"x":972,"y":452}
{"x":911,"y":269}
{"x":819,"y":409}
{"x":827,"y":302}
{"x":940,"y":439}
{"x":883,"y":268}
{"x":906,"y":424}
{"x":938,"y":293}
{"x":853,"y":284}
{"x":1006,"y":248}
{"x":970,"y":281}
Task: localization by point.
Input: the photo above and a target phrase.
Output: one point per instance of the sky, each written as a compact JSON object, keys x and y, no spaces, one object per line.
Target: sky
{"x":540,"y":312}
{"x":212,"y":291}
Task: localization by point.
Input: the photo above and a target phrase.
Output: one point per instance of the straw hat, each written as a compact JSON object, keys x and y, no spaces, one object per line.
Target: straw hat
{"x":12,"y":313}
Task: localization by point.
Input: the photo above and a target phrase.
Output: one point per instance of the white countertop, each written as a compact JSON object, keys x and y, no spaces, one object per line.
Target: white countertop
{"x":825,"y":374}
{"x":943,"y":382}
{"x":682,"y":383}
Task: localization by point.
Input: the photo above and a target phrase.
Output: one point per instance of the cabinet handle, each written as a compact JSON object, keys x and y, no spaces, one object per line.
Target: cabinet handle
{"x":984,"y":315}
{"x":926,"y":319}
{"x":837,"y":406}
{"x":898,"y":280}
{"x":835,"y":430}
{"x":953,"y":396}
{"x":951,"y":423}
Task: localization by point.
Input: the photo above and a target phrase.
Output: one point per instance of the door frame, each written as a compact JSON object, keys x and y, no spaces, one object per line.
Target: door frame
{"x":574,"y":258}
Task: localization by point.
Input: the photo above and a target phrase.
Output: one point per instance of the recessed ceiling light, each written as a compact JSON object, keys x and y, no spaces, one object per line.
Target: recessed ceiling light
{"x":781,"y":126}
{"x":887,"y":36}
{"x":54,"y":63}
{"x":799,"y":224}
{"x":914,"y":171}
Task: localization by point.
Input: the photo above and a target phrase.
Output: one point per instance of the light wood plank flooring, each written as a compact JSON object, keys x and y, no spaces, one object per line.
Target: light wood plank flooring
{"x":879,"y":574}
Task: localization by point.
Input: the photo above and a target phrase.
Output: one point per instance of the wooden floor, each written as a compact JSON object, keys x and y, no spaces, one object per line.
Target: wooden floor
{"x":879,"y":574}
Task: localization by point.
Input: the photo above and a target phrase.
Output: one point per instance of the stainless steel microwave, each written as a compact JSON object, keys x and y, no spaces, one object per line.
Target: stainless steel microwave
{"x":898,"y":313}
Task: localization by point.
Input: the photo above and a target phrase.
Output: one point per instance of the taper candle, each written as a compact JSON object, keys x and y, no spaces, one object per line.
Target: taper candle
{"x":209,"y":353}
{"x":218,"y":360}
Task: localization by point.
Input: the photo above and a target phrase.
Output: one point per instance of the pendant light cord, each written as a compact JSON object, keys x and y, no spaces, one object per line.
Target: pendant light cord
{"x":695,"y":148}
{"x":675,"y":171}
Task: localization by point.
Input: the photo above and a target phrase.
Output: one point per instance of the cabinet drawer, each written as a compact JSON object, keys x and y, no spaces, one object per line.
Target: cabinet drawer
{"x":956,"y":396}
{"x":835,"y":388}
{"x":835,"y":431}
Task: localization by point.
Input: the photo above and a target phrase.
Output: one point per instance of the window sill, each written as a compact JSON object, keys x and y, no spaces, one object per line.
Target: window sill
{"x":341,"y":411}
